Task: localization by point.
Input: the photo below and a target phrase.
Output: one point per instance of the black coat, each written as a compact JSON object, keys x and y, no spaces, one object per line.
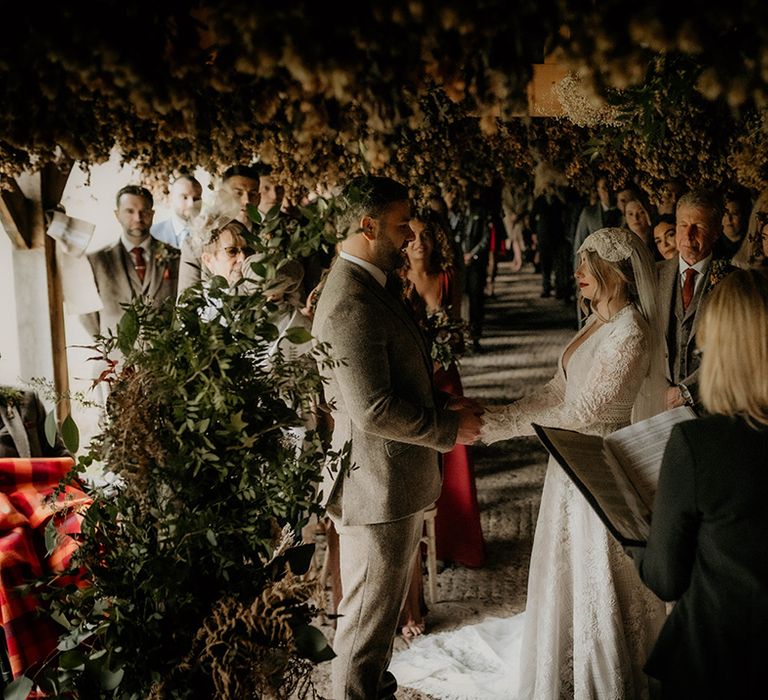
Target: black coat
{"x":707,"y":550}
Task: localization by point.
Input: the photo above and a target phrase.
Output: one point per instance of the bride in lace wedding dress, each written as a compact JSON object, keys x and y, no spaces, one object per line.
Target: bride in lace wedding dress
{"x":589,"y":622}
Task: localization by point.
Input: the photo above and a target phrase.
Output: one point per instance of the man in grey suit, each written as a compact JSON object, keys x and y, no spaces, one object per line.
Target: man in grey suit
{"x":136,"y":265}
{"x":684,"y":281}
{"x":384,"y":404}
{"x":186,"y":197}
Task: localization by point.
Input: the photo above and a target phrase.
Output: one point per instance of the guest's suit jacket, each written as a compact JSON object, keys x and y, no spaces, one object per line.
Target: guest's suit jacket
{"x":680,"y":326}
{"x":118,"y":282}
{"x":382,"y":401}
{"x":707,"y":551}
{"x":22,"y":429}
{"x":591,"y":219}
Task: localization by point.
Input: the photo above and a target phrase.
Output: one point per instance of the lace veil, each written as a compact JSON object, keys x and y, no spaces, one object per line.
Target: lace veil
{"x":614,"y":245}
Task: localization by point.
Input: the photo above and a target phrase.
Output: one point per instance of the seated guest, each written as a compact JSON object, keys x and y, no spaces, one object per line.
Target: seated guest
{"x":22,"y":426}
{"x":706,"y":547}
{"x":664,"y":237}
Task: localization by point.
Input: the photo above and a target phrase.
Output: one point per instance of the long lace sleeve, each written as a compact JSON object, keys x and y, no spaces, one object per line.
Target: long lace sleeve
{"x":605,"y":395}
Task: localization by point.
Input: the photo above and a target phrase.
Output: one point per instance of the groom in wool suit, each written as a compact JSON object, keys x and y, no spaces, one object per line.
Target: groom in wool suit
{"x":384,"y":404}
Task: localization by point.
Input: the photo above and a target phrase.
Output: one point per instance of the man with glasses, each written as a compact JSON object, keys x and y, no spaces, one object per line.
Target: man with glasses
{"x":239,"y":195}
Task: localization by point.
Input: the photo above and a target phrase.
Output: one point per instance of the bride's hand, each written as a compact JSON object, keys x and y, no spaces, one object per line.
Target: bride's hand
{"x":456,"y":403}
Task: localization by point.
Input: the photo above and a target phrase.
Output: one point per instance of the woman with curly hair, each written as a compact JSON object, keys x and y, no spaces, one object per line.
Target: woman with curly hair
{"x":429,"y":287}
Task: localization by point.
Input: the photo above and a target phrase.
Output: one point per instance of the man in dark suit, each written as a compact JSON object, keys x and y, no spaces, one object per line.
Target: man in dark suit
{"x":684,"y":281}
{"x":186,"y":195}
{"x":385,"y":406}
{"x":602,"y":214}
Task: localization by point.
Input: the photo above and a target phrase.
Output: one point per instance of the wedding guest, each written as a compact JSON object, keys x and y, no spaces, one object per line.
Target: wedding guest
{"x":186,"y":198}
{"x":136,"y":265}
{"x":589,"y":621}
{"x":664,"y":236}
{"x":670,"y":191}
{"x":754,"y":248}
{"x":22,"y":426}
{"x":638,"y":219}
{"x":684,"y":281}
{"x":737,"y":205}
{"x":237,"y":198}
{"x":706,"y":547}
{"x":430,"y":289}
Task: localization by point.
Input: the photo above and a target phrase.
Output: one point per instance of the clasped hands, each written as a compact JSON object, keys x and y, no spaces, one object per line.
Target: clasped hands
{"x":470,"y":419}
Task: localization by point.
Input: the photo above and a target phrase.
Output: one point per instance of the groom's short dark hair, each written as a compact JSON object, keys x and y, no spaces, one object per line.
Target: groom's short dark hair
{"x":368,"y":195}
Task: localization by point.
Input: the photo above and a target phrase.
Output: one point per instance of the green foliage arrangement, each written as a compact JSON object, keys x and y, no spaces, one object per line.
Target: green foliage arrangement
{"x":192,"y":581}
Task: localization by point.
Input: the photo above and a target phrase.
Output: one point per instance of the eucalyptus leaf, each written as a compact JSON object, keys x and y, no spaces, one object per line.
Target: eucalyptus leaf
{"x":300,"y":558}
{"x":312,"y":644}
{"x":298,"y":335}
{"x":18,"y":689}
{"x":109,"y":680}
{"x":70,"y":434}
{"x":50,"y":427}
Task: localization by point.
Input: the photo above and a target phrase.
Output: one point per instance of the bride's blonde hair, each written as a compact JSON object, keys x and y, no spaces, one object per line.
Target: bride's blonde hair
{"x":612,"y":279}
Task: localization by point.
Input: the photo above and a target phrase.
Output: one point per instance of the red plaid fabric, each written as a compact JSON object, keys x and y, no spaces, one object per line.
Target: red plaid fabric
{"x":25,"y":509}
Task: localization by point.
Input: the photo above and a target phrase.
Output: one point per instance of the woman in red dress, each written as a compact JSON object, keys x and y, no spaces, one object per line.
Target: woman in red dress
{"x":428,"y":277}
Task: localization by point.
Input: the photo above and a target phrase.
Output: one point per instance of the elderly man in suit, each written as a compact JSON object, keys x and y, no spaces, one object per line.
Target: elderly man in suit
{"x":136,"y":265}
{"x":684,"y":281}
{"x":384,"y":404}
{"x":186,"y":196}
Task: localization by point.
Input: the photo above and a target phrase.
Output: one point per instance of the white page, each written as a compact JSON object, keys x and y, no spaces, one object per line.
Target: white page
{"x":639,"y":448}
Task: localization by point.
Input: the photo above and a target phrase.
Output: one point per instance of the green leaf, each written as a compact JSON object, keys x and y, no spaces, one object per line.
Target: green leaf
{"x":51,"y":427}
{"x":19,"y":689}
{"x":298,"y":336}
{"x":70,"y":434}
{"x":127,"y":331}
{"x":211,"y":537}
{"x":312,"y":644}
{"x":72,"y":660}
{"x":110,"y":679}
{"x":300,"y":558}
{"x":51,"y":537}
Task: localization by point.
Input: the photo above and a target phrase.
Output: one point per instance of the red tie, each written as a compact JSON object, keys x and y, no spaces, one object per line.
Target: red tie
{"x":688,"y":286}
{"x":138,"y":262}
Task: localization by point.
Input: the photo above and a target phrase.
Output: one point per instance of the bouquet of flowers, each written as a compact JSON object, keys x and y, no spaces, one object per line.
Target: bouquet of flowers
{"x":448,"y":337}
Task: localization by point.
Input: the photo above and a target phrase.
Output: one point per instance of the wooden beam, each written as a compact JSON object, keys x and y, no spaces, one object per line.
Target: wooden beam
{"x":58,"y":331}
{"x":52,"y":184}
{"x":14,"y":215}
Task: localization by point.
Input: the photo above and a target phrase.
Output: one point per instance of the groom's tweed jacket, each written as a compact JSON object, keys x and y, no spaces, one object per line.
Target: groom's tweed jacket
{"x":382,"y":401}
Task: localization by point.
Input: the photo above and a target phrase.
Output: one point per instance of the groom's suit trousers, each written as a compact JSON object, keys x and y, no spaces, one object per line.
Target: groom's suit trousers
{"x":376,"y":567}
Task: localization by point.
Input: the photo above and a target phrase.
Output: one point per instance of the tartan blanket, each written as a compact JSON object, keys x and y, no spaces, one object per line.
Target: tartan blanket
{"x":26,"y":507}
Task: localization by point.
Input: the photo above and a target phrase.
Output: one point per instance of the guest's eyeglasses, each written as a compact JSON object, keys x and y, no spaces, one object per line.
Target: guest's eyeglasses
{"x":233,"y":251}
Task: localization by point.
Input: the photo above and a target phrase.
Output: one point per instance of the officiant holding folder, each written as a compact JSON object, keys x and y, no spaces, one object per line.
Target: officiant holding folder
{"x":706,"y":548}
